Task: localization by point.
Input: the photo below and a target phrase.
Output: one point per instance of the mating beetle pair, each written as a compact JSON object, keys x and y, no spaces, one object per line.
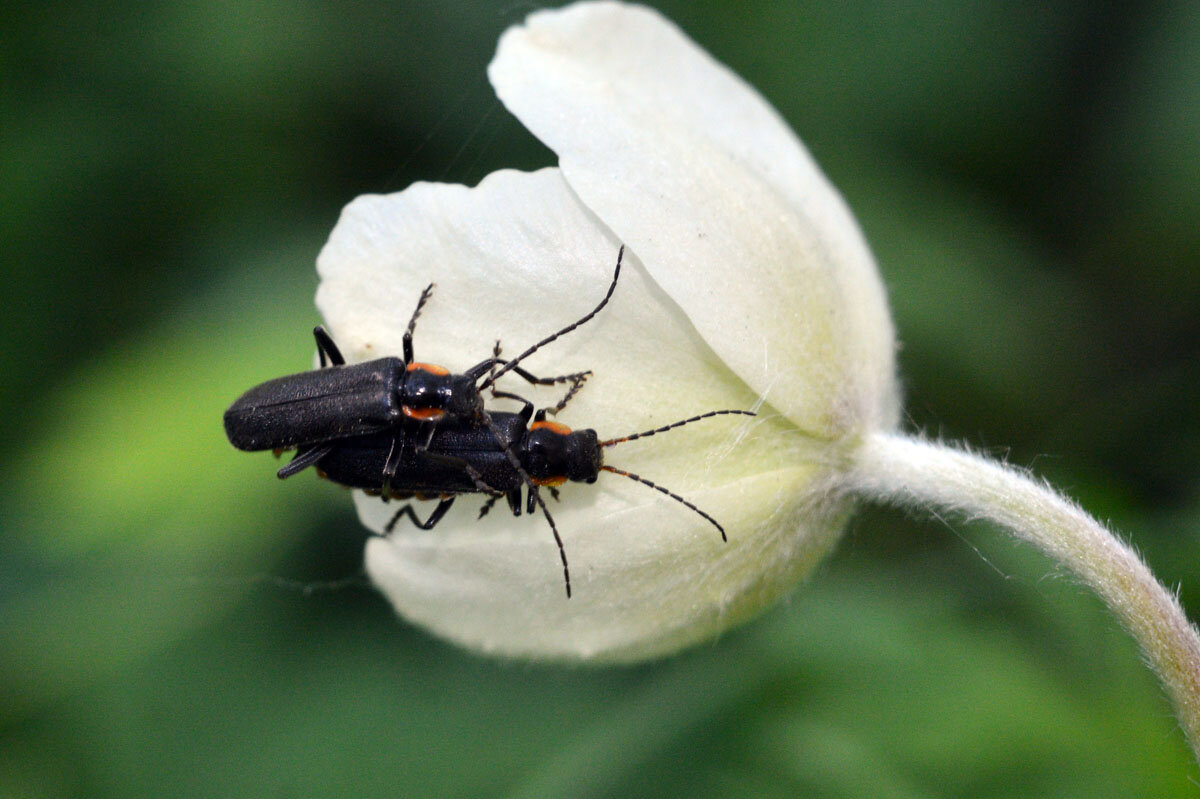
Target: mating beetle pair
{"x":399,"y":429}
{"x":311,"y":410}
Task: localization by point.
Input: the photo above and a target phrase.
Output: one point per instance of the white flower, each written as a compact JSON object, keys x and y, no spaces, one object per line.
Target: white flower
{"x":747,"y":285}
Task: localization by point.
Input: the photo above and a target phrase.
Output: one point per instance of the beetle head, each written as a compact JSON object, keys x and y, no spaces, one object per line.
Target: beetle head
{"x":553,"y":451}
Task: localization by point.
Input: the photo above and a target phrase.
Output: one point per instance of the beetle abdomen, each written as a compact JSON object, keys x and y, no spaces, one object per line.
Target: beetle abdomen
{"x":317,"y":406}
{"x":358,"y":462}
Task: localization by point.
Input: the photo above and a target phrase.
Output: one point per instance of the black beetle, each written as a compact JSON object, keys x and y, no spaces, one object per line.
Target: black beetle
{"x":500,"y":455}
{"x":311,"y":410}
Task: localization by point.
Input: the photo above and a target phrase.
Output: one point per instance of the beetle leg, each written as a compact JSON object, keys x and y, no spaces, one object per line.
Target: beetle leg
{"x":396,"y":453}
{"x":514,"y":501}
{"x":487,"y":506}
{"x":492,"y":368}
{"x":304,"y":458}
{"x":526,"y":412}
{"x":550,"y":381}
{"x":326,"y":348}
{"x":428,"y":524}
{"x":431,"y":428}
{"x":531,"y":500}
{"x":576,"y":384}
{"x":390,"y":467}
{"x":488,"y":366}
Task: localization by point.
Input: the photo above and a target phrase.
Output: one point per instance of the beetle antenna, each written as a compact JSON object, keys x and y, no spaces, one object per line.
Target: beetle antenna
{"x":562,"y":552}
{"x":647,"y":433}
{"x":513,"y":363}
{"x":675,"y":497}
{"x":532,"y":488}
{"x":424,"y":298}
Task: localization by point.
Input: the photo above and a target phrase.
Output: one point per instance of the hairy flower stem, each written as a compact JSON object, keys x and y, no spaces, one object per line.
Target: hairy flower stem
{"x":907,"y":471}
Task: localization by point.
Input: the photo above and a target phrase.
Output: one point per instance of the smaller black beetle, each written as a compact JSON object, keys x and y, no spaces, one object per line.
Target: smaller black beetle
{"x":501,"y":455}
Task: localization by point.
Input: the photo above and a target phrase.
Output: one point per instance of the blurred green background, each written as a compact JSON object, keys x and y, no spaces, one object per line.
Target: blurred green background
{"x":1029,"y":176}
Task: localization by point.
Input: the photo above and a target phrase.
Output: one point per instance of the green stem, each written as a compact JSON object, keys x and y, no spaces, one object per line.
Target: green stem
{"x":908,"y":471}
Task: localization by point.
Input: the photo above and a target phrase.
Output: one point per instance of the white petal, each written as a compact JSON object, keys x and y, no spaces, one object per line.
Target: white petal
{"x":691,"y":167}
{"x":514,"y":258}
{"x":520,"y":256}
{"x":517,"y":258}
{"x":644,"y":583}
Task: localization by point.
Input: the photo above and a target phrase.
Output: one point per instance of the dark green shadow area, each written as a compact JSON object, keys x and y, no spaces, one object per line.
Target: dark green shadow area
{"x":174,"y":621}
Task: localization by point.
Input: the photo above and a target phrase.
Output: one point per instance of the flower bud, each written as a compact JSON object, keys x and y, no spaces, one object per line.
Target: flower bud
{"x":746,"y":284}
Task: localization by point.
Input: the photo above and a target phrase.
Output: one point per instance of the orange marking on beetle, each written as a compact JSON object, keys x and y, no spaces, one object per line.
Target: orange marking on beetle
{"x":422,"y":414}
{"x":553,"y":482}
{"x":433,"y":369}
{"x":553,"y":427}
